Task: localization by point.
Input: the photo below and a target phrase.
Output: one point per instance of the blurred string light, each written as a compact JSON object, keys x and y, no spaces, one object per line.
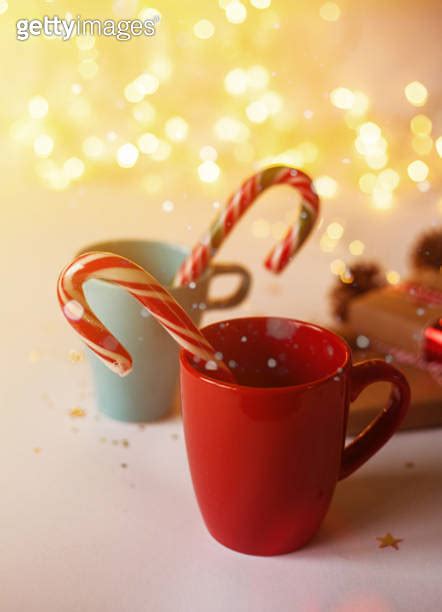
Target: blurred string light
{"x":393,"y":277}
{"x":253,"y":117}
{"x":261,"y":4}
{"x":236,"y":12}
{"x":38,"y":107}
{"x":204,"y":29}
{"x":208,"y":171}
{"x":330,"y":11}
{"x":416,"y":93}
{"x":418,"y":171}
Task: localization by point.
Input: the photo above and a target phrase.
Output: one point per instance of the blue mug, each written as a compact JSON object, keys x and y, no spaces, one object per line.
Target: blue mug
{"x":148,"y":391}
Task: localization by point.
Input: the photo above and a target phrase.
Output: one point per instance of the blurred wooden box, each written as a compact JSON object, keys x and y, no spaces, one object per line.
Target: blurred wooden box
{"x":426,"y":397}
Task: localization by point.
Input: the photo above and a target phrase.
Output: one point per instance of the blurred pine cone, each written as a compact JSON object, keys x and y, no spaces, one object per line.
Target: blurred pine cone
{"x":359,"y":278}
{"x":427,"y":252}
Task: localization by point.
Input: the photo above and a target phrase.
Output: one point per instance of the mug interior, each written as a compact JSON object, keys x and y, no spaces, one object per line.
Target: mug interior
{"x":277,"y":352}
{"x":159,"y":258}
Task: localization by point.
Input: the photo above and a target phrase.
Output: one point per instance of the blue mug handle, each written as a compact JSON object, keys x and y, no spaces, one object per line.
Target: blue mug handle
{"x":241,"y":292}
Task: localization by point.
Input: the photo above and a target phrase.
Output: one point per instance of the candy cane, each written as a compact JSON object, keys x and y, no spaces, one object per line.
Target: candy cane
{"x":146,"y":289}
{"x":198,"y":260}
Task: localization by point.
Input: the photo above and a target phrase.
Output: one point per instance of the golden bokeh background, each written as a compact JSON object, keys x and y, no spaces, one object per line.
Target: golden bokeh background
{"x":146,"y":138}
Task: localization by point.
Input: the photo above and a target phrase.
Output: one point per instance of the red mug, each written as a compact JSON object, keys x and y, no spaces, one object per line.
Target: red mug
{"x":265,"y":453}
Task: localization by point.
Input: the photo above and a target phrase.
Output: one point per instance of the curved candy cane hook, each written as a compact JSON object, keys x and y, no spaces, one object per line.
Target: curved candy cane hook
{"x":146,"y":289}
{"x":194,"y":266}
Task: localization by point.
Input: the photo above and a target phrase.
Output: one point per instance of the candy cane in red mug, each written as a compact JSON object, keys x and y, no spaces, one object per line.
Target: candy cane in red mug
{"x":146,"y":289}
{"x":195,"y":265}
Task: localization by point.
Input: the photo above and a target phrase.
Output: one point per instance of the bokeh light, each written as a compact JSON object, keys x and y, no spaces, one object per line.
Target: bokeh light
{"x":416,"y":93}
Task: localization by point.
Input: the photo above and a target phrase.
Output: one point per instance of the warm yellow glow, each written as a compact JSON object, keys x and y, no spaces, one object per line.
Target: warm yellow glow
{"x":162,"y":151}
{"x":38,"y":107}
{"x":382,"y":198}
{"x":208,"y":153}
{"x":367,"y":182}
{"x":326,"y":244}
{"x":421,"y":125}
{"x":261,"y":4}
{"x":161,"y":67}
{"x":43,"y":145}
{"x":208,"y":171}
{"x":393,"y":277}
{"x":93,"y":147}
{"x":85,"y":43}
{"x":360,"y":104}
{"x":144,"y":112}
{"x":168,"y":206}
{"x":236,"y":12}
{"x":342,"y":98}
{"x":330,"y":11}
{"x":416,"y":93}
{"x":244,"y":152}
{"x":88,"y":69}
{"x":338,"y":267}
{"x":377,"y":161}
{"x":356,"y":247}
{"x":388,"y":179}
{"x":260,"y":228}
{"x":309,"y":151}
{"x":257,"y":77}
{"x":235,"y":81}
{"x":335,"y":231}
{"x":439,"y":205}
{"x":422,"y":144}
{"x":438,"y":144}
{"x":418,"y":170}
{"x":326,"y":186}
{"x":257,"y":111}
{"x":73,"y":168}
{"x":369,"y":133}
{"x":3,"y":6}
{"x":204,"y":29}
{"x":127,"y":155}
{"x":231,"y":130}
{"x":134,"y":92}
{"x":152,"y":183}
{"x":272,"y":101}
{"x":148,"y":143}
{"x":148,"y":82}
{"x":176,"y":129}
{"x":150,"y":13}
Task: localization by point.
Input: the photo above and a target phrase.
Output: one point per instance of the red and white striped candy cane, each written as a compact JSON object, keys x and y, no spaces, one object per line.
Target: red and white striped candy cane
{"x":198,"y":260}
{"x":146,"y":289}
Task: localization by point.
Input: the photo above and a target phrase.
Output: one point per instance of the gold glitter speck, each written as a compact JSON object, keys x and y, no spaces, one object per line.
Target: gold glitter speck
{"x":77,"y":412}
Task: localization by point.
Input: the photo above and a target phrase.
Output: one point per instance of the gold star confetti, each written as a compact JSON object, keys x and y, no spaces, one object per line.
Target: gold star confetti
{"x":389,"y":540}
{"x":77,"y":412}
{"x":125,"y":443}
{"x":103,"y":440}
{"x":75,"y":356}
{"x":37,"y":450}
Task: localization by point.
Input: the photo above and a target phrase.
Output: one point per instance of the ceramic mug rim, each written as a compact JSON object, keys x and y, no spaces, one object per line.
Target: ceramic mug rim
{"x":95,"y":246}
{"x":184,"y":357}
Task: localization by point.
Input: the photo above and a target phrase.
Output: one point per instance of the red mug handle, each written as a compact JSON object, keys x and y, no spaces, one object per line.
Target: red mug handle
{"x":380,"y":430}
